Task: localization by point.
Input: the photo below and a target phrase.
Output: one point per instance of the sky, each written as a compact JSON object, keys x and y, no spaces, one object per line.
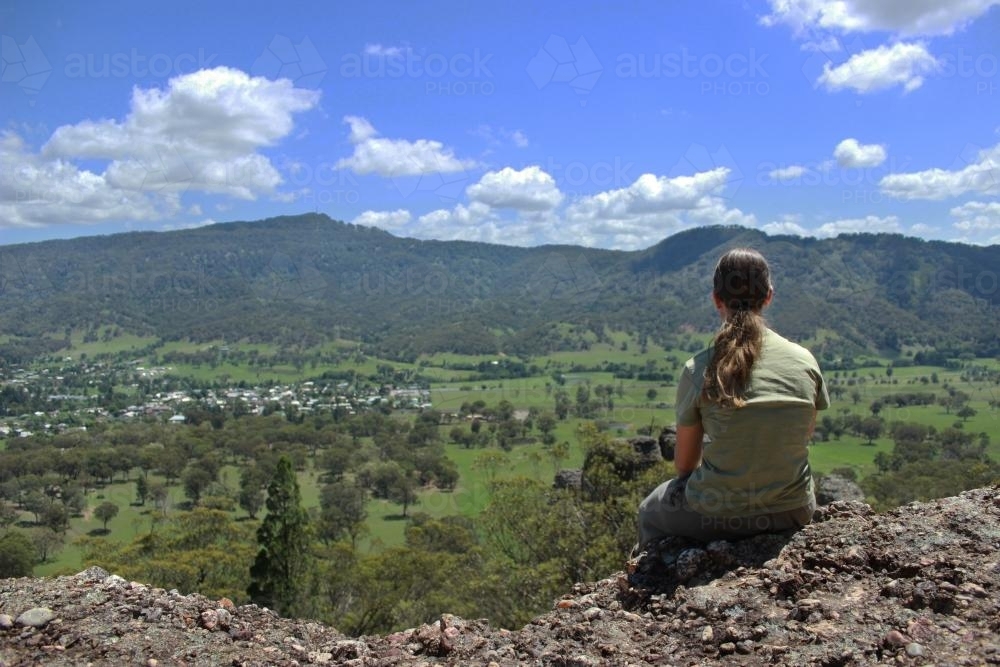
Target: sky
{"x":611,"y":125}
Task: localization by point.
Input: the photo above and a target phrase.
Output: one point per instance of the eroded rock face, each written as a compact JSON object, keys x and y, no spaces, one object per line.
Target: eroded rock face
{"x":919,"y":585}
{"x":836,"y":487}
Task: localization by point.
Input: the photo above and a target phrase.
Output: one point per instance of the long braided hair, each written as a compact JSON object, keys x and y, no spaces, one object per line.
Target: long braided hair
{"x":742,"y":283}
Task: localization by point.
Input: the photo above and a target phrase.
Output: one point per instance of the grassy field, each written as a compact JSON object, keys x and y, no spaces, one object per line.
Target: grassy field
{"x":633,"y":408}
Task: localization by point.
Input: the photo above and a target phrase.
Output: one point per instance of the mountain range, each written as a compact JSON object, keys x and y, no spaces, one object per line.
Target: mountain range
{"x":306,"y":279}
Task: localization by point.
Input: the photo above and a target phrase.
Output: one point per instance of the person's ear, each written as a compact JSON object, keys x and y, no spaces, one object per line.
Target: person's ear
{"x":770,"y":295}
{"x":717,"y":300}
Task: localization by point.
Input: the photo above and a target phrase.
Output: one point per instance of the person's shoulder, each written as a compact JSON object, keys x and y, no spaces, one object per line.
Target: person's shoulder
{"x":776,"y":341}
{"x":699,"y":361}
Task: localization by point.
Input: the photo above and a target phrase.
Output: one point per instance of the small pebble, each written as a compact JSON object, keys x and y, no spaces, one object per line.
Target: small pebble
{"x":895,"y":638}
{"x":914,"y":650}
{"x":6,"y":622}
{"x":707,"y":634}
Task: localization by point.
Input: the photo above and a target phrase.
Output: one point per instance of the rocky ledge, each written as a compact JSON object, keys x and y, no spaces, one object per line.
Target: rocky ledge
{"x":919,"y":585}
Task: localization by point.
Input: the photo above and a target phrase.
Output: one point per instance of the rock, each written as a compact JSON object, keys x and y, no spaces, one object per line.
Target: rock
{"x":6,"y":622}
{"x":835,"y":487}
{"x":851,"y":588}
{"x":93,"y":573}
{"x":648,"y":450}
{"x":209,"y":619}
{"x":689,"y":562}
{"x":896,"y":639}
{"x":569,"y":478}
{"x":36,"y":618}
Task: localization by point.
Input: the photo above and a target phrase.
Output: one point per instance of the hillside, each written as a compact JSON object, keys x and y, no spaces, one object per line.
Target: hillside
{"x":920,"y":584}
{"x":305,"y":279}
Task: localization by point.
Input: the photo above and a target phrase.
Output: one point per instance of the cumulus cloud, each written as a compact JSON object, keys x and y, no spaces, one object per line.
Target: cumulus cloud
{"x":201,"y":133}
{"x":788,"y":223}
{"x":849,"y":153}
{"x":529,"y":189}
{"x":904,"y":17}
{"x":871,"y":224}
{"x":789,"y":173}
{"x":390,"y":220}
{"x":397,"y":157}
{"x":980,"y":175}
{"x":881,"y":68}
{"x":651,"y":194}
{"x":977,"y":215}
{"x":35,"y":192}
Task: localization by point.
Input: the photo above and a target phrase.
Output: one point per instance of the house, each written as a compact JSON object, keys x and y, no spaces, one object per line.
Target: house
{"x":177,"y":419}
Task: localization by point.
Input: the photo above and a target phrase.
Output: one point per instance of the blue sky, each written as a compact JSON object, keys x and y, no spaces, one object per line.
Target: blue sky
{"x":584,"y":123}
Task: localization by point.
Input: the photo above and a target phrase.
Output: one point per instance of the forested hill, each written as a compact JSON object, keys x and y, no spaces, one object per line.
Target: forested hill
{"x":304,"y":279}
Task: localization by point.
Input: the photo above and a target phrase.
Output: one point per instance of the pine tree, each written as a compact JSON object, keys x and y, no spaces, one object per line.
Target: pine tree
{"x":278,"y":574}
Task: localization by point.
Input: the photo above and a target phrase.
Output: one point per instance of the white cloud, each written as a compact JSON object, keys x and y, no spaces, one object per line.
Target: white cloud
{"x":849,"y":153}
{"x":904,"y":17}
{"x":789,"y":173}
{"x":651,"y":194}
{"x":500,"y":136}
{"x":397,"y":157}
{"x":788,"y":223}
{"x":980,"y":175}
{"x":884,"y":67}
{"x":35,"y":192}
{"x":870,"y":224}
{"x":976,"y":215}
{"x":383,"y":51}
{"x":390,"y":220}
{"x":529,"y":189}
{"x":201,"y":133}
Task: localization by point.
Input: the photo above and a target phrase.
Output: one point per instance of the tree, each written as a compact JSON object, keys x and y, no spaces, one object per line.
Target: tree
{"x":965,"y":412}
{"x":403,"y":491}
{"x":278,"y":574}
{"x":343,"y":510}
{"x":251,"y":495}
{"x":871,"y":428}
{"x":651,"y":394}
{"x":17,"y":555}
{"x":196,"y":480}
{"x":141,"y":489}
{"x":105,"y":512}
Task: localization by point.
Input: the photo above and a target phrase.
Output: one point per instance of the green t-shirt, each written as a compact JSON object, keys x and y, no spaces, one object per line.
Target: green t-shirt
{"x":757,"y":461}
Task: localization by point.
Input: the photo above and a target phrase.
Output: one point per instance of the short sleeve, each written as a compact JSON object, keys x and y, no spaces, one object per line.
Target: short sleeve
{"x":822,"y":397}
{"x":688,"y":413}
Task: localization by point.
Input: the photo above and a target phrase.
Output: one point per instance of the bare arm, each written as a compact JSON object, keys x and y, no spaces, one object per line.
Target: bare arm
{"x":687,"y":455}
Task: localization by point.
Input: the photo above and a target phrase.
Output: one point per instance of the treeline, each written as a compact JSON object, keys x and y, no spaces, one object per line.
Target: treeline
{"x":926,"y":463}
{"x":303,"y":281}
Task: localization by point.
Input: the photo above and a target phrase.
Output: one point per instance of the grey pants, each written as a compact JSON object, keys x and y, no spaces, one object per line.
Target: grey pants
{"x":666,"y":512}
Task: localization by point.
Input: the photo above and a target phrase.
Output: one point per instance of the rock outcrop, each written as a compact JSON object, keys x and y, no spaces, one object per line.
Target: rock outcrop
{"x":918,"y":585}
